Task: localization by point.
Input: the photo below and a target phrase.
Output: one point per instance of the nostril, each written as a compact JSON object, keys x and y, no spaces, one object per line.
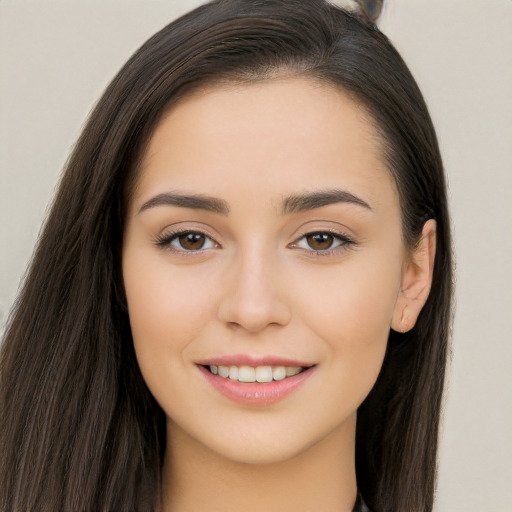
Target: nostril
{"x":253,"y":318}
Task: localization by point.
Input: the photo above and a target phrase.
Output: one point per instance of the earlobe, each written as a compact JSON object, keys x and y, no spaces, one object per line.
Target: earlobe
{"x":416,"y":280}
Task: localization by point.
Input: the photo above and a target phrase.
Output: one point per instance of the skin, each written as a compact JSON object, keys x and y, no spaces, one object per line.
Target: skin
{"x":258,"y":287}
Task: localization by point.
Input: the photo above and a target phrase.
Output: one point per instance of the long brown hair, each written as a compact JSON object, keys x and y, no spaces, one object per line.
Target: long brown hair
{"x":79,"y":429}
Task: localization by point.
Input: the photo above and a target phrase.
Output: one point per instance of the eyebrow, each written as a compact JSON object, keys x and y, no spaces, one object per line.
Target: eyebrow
{"x":309,"y":201}
{"x":195,"y":201}
{"x":291,"y":204}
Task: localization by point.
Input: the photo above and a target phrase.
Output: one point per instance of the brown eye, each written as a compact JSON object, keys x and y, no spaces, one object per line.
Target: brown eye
{"x":187,"y":241}
{"x":192,"y":241}
{"x":320,"y":241}
{"x":324,"y":242}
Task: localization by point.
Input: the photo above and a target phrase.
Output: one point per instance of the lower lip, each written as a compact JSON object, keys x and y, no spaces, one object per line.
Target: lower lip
{"x":256,"y":393}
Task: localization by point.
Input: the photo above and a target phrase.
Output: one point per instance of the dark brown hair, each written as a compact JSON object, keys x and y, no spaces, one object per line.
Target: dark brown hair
{"x":79,"y":430}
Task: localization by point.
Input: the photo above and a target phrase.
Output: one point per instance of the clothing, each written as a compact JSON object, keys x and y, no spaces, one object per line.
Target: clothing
{"x":360,"y":505}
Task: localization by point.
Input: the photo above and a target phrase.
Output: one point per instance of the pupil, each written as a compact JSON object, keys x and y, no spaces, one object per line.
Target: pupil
{"x":192,"y":241}
{"x":320,"y":241}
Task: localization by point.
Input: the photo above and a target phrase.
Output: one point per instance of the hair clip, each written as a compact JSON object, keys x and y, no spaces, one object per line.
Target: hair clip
{"x":370,"y":9}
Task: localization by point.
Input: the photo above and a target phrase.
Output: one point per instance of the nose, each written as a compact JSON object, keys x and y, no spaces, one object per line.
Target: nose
{"x":255,"y":295}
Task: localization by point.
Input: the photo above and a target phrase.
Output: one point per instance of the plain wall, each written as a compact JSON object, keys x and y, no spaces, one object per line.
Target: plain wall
{"x":56,"y":57}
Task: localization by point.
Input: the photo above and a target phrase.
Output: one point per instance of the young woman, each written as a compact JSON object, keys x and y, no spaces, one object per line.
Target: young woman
{"x":241,"y":297}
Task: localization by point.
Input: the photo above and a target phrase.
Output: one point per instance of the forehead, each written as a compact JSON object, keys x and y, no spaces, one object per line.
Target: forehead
{"x":272,"y":137}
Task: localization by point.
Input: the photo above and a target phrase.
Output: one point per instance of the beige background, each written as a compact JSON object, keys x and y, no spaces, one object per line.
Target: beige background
{"x":56,"y":57}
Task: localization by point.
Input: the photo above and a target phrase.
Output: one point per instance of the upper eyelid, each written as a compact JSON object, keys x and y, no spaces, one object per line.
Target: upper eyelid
{"x":331,"y":231}
{"x":171,"y":230}
{"x":337,"y":236}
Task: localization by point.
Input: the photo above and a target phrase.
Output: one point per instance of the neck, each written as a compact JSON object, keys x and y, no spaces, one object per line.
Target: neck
{"x":322,"y":477}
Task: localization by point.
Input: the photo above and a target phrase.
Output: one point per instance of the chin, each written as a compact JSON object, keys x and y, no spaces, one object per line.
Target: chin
{"x":260,"y":453}
{"x":278,"y":443}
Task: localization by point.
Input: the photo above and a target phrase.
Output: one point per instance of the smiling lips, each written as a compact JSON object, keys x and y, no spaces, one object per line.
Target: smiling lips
{"x":255,"y":384}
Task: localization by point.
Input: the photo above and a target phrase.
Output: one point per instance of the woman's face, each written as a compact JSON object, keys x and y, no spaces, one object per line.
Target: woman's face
{"x":264,"y":235}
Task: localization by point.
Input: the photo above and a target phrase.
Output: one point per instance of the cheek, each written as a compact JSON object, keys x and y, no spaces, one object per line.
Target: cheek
{"x":358,"y":299}
{"x":365,"y":306}
{"x":352,"y":317}
{"x":167,"y":306}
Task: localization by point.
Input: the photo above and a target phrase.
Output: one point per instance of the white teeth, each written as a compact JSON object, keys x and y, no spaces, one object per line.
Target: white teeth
{"x":224,"y":371}
{"x":247,"y":374}
{"x":233,"y":372}
{"x":258,"y":374}
{"x":264,"y":374}
{"x":292,"y":370}
{"x":279,"y":373}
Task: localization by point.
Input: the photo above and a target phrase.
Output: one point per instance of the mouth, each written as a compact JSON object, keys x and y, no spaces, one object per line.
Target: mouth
{"x":262,"y":384}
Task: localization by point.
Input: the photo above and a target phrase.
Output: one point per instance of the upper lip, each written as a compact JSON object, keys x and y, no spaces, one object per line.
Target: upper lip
{"x":250,"y":360}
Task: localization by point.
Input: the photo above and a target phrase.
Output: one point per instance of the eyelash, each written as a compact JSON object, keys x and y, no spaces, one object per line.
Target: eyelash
{"x":345,"y":242}
{"x":164,"y":241}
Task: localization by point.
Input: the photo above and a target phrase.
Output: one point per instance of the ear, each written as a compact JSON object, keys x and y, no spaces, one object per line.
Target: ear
{"x":416,"y":280}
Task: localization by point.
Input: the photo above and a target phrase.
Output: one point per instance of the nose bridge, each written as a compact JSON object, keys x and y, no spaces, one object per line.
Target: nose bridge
{"x":254,"y":297}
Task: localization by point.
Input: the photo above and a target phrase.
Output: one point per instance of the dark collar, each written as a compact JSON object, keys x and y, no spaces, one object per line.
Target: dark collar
{"x":360,"y":505}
